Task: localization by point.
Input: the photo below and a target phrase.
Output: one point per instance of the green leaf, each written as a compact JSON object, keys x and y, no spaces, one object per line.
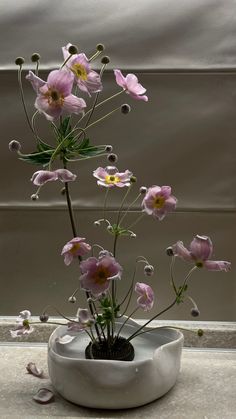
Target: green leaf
{"x":41,"y":158}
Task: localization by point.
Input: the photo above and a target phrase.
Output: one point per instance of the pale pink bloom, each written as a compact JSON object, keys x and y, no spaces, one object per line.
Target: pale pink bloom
{"x":98,"y":273}
{"x":41,"y":177}
{"x":88,"y":80}
{"x":158,"y":201}
{"x":131,"y":85}
{"x":23,"y":325}
{"x":84,"y":320}
{"x":74,"y":248}
{"x":54,"y":97}
{"x":146,"y":296}
{"x":110,"y":177}
{"x":200,"y":251}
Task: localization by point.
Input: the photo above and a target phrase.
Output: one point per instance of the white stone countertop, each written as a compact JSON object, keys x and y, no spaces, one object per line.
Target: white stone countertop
{"x":206,"y":388}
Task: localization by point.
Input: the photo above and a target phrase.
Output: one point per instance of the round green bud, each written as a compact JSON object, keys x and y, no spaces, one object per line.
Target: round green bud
{"x":195,"y":312}
{"x":73,"y":49}
{"x":125,"y":109}
{"x":133,"y":179}
{"x":35,"y":57}
{"x":169,"y":251}
{"x":19,"y":61}
{"x":200,"y":332}
{"x":105,"y":59}
{"x":100,"y":47}
{"x":109,"y":148}
{"x":148,"y":270}
{"x":143,"y":190}
{"x":34,"y":197}
{"x":72,"y":299}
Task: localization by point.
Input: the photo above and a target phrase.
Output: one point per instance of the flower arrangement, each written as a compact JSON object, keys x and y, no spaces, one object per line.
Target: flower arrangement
{"x":58,"y":100}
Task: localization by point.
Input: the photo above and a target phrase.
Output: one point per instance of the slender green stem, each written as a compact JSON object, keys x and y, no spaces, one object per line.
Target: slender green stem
{"x":136,"y":221}
{"x":95,"y":55}
{"x":130,"y":206}
{"x":128,"y":317}
{"x":23,"y":99}
{"x":96,"y":99}
{"x":168,"y":327}
{"x":103,"y":117}
{"x":67,"y":59}
{"x":105,"y":203}
{"x":129,"y":293}
{"x":172,"y":274}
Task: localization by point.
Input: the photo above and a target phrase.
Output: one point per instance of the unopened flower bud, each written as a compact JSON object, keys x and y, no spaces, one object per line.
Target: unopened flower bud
{"x":195,"y":312}
{"x":97,"y":223}
{"x":34,"y":197}
{"x":112,"y":158}
{"x":133,"y":179}
{"x":72,"y":299}
{"x":44,"y":317}
{"x":100,"y":47}
{"x":109,"y":148}
{"x":35,"y":57}
{"x":73,"y":49}
{"x":169,"y":251}
{"x":63,"y":191}
{"x":19,"y":61}
{"x":148,"y":270}
{"x":143,"y":190}
{"x":110,"y":228}
{"x":14,"y":145}
{"x":105,"y":59}
{"x":125,"y":109}
{"x":133,"y":236}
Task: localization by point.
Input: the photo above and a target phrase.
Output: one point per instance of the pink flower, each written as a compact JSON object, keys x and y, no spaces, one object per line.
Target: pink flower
{"x":87,"y":79}
{"x":200,"y":251}
{"x":74,"y":248}
{"x":98,"y":273}
{"x":131,"y":85}
{"x":84,"y":321}
{"x":158,"y":201}
{"x":110,"y":177}
{"x":146,"y":296}
{"x":54,"y":96}
{"x":41,"y":177}
{"x":23,"y":327}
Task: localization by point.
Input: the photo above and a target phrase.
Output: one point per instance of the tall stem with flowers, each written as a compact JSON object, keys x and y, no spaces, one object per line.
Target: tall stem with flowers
{"x":57,"y":100}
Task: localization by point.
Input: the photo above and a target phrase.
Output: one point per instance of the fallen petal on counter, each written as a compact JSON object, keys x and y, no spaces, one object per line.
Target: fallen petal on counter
{"x":44,"y":396}
{"x":34,"y":370}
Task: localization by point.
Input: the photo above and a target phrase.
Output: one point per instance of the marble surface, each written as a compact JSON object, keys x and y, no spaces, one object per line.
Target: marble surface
{"x":205,"y":388}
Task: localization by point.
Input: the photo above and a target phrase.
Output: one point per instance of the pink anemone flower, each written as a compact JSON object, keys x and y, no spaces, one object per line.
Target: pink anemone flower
{"x":98,"y":273}
{"x":41,"y":177}
{"x":54,"y":97}
{"x":74,"y":248}
{"x":84,"y":320}
{"x":158,"y":201}
{"x":146,"y":296}
{"x":131,"y":85}
{"x":88,"y":80}
{"x":110,"y":177}
{"x":200,"y":251}
{"x":23,"y":327}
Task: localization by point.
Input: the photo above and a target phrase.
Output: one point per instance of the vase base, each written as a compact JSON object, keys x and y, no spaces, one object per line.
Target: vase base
{"x":121,"y":350}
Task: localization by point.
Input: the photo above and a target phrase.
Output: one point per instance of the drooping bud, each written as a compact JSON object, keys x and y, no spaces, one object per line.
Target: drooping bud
{"x":97,"y":223}
{"x":34,"y":197}
{"x":195,"y":312}
{"x":133,"y":236}
{"x":109,"y":148}
{"x":125,"y":108}
{"x":73,"y":49}
{"x":112,"y":158}
{"x":72,"y":299}
{"x":133,"y":179}
{"x":169,"y":251}
{"x":143,"y":190}
{"x":14,"y":145}
{"x":105,"y":60}
{"x":100,"y":47}
{"x":44,"y":317}
{"x":63,"y":191}
{"x":35,"y":57}
{"x":19,"y":61}
{"x":109,"y":228}
{"x":148,"y":270}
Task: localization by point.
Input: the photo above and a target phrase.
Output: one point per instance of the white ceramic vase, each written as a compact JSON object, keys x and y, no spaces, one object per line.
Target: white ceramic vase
{"x":110,"y":384}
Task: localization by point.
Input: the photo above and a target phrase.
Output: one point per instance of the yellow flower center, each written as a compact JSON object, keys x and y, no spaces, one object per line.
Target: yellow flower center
{"x":159,"y":202}
{"x":101,"y":276}
{"x":75,"y":247}
{"x":112,"y":179}
{"x":54,"y":97}
{"x":79,"y":71}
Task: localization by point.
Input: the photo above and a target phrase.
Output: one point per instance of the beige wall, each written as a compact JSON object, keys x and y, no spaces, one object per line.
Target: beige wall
{"x":183,"y":53}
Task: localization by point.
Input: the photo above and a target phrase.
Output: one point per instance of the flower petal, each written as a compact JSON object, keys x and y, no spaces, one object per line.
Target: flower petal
{"x":73,"y":104}
{"x":61,"y":80}
{"x":44,"y":396}
{"x":43,"y":176}
{"x":65,"y":175}
{"x":120,"y":79}
{"x":34,"y":370}
{"x":181,"y":251}
{"x":201,"y":248}
{"x":217,"y":265}
{"x":35,"y":81}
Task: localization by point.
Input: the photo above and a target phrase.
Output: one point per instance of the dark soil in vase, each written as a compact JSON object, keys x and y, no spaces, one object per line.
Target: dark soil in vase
{"x":121,"y":350}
